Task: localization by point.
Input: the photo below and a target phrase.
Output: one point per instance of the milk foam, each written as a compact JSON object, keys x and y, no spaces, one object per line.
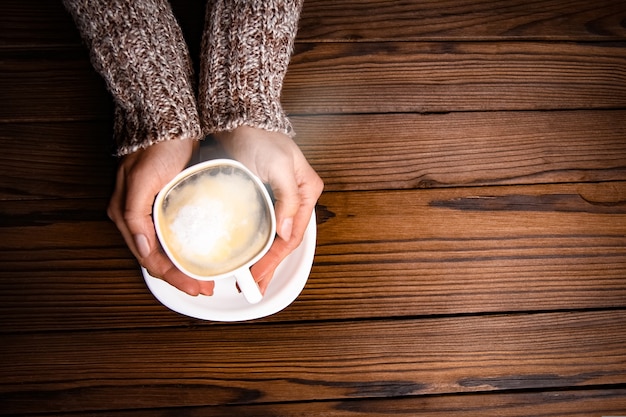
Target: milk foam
{"x":215,"y":222}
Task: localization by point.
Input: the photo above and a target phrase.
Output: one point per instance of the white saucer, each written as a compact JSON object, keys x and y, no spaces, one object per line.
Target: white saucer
{"x":227,"y":304}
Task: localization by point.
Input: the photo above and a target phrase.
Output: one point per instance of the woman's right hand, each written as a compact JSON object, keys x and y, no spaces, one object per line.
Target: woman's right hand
{"x":140,"y":177}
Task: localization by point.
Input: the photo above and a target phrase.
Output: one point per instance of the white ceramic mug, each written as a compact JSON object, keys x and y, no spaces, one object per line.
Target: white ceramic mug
{"x":215,"y":220}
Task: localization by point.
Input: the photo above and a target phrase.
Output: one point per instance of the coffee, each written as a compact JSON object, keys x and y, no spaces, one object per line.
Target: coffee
{"x":215,"y":220}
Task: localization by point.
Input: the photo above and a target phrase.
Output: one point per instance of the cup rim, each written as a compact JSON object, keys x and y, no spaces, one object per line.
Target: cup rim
{"x":191,"y":170}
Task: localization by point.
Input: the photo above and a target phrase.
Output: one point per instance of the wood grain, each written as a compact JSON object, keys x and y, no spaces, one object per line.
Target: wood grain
{"x":51,"y":85}
{"x":257,"y":364}
{"x":324,"y":21}
{"x":56,"y":160}
{"x":354,"y":152}
{"x":475,"y":242}
{"x":364,"y":78}
{"x":36,"y":24}
{"x":540,"y":404}
{"x":444,"y":77}
{"x":44,"y":24}
{"x":401,"y":151}
{"x":471,"y":255}
{"x":401,"y":253}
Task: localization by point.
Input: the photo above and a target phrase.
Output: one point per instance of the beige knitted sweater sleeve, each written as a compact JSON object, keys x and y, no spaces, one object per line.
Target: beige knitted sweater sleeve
{"x":138,"y":48}
{"x":246,"y":49}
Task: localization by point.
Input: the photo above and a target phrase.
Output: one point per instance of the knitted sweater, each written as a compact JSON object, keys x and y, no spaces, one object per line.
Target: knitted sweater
{"x":138,"y":48}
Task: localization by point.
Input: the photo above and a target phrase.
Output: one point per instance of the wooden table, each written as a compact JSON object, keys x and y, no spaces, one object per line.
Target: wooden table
{"x":471,"y":255}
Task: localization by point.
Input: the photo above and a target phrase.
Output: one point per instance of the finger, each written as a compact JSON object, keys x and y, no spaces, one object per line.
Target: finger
{"x":138,"y":210}
{"x":115,"y":211}
{"x":310,"y":188}
{"x":186,"y":284}
{"x":286,"y":193}
{"x":156,"y":262}
{"x":141,"y":230}
{"x":263,"y":270}
{"x":124,"y":212}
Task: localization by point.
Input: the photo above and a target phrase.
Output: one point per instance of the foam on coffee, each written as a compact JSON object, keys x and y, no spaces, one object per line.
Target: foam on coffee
{"x":215,"y":221}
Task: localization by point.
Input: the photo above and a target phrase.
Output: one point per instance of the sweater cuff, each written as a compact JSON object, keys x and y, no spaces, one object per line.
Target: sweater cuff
{"x":138,"y":48}
{"x":246,"y":50}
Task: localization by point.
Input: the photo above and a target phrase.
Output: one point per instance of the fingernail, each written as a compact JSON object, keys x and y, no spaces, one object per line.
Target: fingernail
{"x":285,"y":229}
{"x":206,"y":288}
{"x":143,"y":247}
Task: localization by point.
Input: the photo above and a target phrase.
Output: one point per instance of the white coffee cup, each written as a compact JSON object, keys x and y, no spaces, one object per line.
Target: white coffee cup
{"x":215,"y":220}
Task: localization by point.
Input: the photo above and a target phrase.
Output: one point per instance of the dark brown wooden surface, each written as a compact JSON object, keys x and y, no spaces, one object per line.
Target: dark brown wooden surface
{"x":325,"y":361}
{"x":471,"y":253}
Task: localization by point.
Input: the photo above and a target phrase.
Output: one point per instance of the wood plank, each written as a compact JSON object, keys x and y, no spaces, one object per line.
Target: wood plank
{"x":400,"y":151}
{"x":44,"y":24}
{"x":355,"y":20}
{"x":36,"y":24}
{"x":56,"y":160}
{"x":354,"y":152}
{"x":548,"y":403}
{"x":486,"y":249}
{"x":48,"y":372}
{"x":364,"y":78}
{"x":444,"y":77}
{"x":51,"y":85}
{"x":401,"y":253}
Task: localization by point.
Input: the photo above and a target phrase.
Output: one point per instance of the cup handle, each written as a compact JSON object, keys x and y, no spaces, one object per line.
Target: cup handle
{"x":248,"y":286}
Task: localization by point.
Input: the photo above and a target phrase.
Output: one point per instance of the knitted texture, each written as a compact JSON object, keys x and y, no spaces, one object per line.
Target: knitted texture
{"x":246,"y":49}
{"x":138,"y":48}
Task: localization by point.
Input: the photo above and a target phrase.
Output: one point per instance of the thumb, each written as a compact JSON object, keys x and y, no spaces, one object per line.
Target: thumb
{"x":138,"y":217}
{"x":287,"y":196}
{"x":134,"y":223}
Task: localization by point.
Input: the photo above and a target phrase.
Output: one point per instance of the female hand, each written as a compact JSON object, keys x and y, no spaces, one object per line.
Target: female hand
{"x":278,"y":161}
{"x":140,"y":177}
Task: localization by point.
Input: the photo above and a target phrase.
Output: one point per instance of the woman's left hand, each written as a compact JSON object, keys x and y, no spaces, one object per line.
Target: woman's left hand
{"x":277,"y":160}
